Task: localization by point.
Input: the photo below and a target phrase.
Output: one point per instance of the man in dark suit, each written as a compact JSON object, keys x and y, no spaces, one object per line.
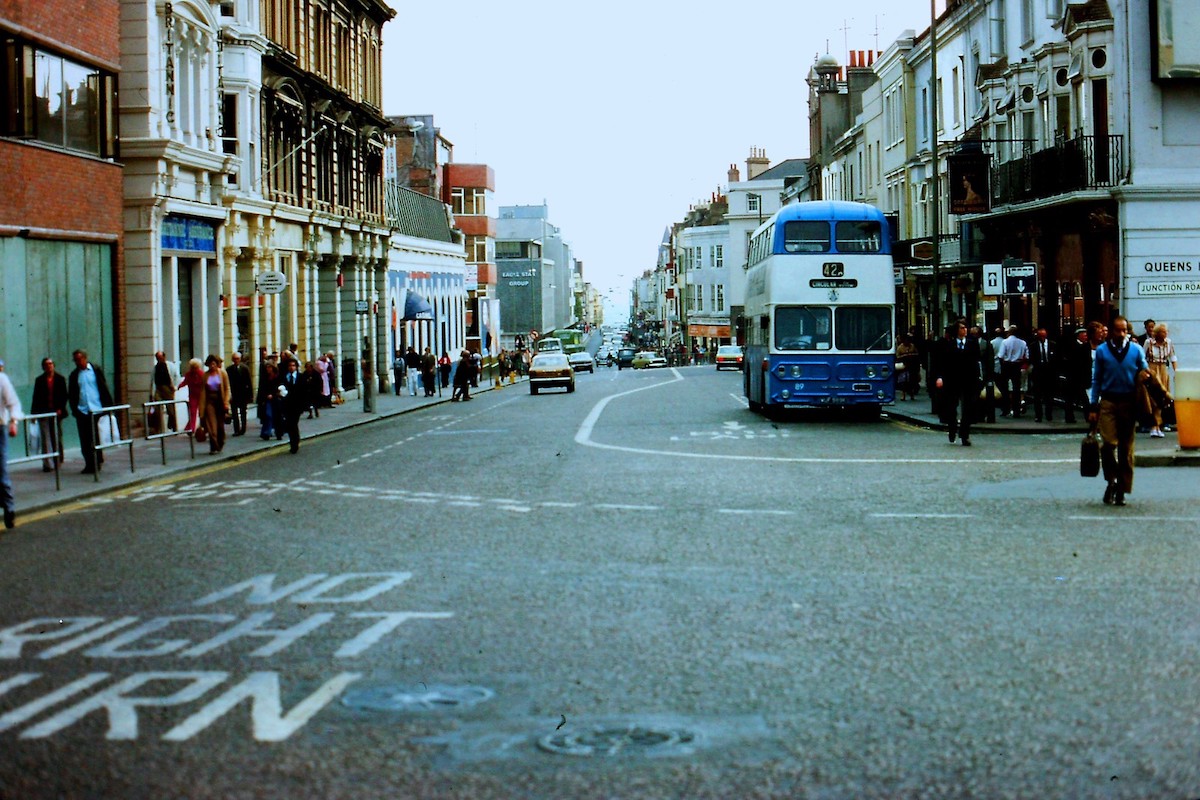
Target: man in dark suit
{"x":1076,"y":360}
{"x":1043,"y":358}
{"x":49,"y":396}
{"x":295,"y":401}
{"x":241,"y":392}
{"x":957,"y":378}
{"x":88,"y":393}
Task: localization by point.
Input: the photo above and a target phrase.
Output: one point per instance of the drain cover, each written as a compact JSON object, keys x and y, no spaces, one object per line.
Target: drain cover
{"x":611,"y":741}
{"x":417,"y":698}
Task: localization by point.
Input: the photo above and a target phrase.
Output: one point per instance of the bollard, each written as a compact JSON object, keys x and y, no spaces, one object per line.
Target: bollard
{"x":1187,"y":407}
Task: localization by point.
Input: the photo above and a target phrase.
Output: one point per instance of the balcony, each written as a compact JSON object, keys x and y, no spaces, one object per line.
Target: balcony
{"x":1073,"y":165}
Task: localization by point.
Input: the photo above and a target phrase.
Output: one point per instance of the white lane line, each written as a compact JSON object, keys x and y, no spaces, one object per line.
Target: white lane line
{"x":756,"y":512}
{"x":625,"y":507}
{"x":553,"y":504}
{"x":923,"y":516}
{"x":740,"y":399}
{"x":1125,"y":518}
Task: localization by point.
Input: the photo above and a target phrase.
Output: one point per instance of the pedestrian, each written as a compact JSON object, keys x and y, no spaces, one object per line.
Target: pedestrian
{"x":241,"y":392}
{"x":214,"y":403}
{"x":1076,"y":359}
{"x":957,"y":380}
{"x":476,"y":368}
{"x":1014,"y":357}
{"x":398,"y":372}
{"x":50,"y":396}
{"x":412,"y":370}
{"x":1148,"y":333}
{"x":268,"y":400}
{"x":986,"y":412}
{"x":444,"y":367}
{"x":311,"y":381}
{"x":193,"y":379}
{"x":463,"y":377}
{"x":294,"y":400}
{"x":166,"y":378}
{"x":429,"y":372}
{"x":10,"y":413}
{"x":87,"y":392}
{"x":1160,"y":354}
{"x":1112,"y":410}
{"x":909,"y":359}
{"x":1043,"y":360}
{"x":330,"y":391}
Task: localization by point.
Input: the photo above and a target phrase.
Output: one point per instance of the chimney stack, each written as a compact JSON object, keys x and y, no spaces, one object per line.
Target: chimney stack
{"x":734,"y":175}
{"x":757,"y":163}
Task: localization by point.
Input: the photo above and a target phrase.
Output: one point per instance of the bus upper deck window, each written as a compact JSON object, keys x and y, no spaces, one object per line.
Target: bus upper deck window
{"x":859,"y":237}
{"x":804,"y":236}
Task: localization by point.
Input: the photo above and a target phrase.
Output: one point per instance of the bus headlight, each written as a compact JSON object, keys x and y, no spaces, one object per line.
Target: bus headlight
{"x":785,"y":394}
{"x":871,"y":371}
{"x":781,"y":371}
{"x":885,"y":370}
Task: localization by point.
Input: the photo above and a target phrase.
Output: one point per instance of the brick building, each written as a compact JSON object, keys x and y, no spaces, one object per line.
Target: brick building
{"x":61,"y":256}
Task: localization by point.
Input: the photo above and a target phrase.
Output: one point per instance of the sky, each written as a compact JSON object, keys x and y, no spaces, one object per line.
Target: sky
{"x":621,"y":115}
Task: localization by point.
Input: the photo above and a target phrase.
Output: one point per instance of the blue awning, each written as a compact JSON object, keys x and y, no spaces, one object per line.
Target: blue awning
{"x":417,"y":307}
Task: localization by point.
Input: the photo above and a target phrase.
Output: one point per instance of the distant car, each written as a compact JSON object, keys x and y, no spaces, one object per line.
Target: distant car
{"x":582,"y":361}
{"x":551,"y":369}
{"x":549,"y":345}
{"x":729,"y":355}
{"x":625,"y":357}
{"x":647,"y":359}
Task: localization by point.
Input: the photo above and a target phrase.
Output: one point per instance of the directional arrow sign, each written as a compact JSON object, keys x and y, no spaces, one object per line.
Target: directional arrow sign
{"x":993,"y":279}
{"x":1020,"y":280}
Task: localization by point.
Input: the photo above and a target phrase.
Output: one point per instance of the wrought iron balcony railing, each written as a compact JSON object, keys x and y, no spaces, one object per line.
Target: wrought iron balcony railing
{"x":1085,"y":162}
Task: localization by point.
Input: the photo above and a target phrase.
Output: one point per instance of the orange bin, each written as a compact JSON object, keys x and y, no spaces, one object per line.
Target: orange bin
{"x":1187,"y":407}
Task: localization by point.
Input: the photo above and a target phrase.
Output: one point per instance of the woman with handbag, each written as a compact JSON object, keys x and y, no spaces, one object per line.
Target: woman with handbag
{"x":1160,"y":354}
{"x":214,"y":403}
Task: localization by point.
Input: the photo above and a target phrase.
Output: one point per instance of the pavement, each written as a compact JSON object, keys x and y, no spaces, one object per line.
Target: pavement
{"x":1150,"y":452}
{"x":35,"y":491}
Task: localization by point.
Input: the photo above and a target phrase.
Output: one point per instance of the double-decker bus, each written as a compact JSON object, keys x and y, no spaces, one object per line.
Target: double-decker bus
{"x":820,"y":309}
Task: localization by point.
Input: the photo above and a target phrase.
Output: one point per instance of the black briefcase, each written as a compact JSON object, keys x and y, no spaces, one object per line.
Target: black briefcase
{"x":1089,"y":455}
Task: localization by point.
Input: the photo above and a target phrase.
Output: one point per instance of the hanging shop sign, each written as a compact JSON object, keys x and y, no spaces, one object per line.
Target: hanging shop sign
{"x":272,"y":282}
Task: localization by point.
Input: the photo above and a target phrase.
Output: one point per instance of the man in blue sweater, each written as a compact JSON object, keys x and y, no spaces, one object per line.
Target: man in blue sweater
{"x":1118,"y":363}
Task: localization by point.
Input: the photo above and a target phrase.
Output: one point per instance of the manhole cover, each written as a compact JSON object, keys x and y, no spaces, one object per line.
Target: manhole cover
{"x":611,"y":741}
{"x":417,"y":698}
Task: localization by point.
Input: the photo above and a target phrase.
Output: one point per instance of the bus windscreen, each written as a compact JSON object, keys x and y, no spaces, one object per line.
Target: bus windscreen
{"x":863,"y":328}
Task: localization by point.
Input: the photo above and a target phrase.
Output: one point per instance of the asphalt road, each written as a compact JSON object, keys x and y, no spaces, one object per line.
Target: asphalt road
{"x":636,"y":590}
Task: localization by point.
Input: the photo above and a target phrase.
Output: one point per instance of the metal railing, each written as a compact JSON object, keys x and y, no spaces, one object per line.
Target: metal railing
{"x":161,"y":407}
{"x":107,"y":417}
{"x":54,"y":457}
{"x":1072,"y":165}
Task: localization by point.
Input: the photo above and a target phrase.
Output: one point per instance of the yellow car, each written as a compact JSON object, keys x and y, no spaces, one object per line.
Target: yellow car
{"x":551,"y":369}
{"x":647,"y":359}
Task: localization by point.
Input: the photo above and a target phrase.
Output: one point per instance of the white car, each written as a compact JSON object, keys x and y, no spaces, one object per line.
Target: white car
{"x":582,"y":361}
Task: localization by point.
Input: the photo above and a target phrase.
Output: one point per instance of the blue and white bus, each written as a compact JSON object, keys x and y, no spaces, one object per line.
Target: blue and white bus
{"x":820,"y":309}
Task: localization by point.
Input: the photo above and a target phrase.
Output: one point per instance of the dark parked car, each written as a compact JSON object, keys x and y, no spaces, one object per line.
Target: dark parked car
{"x":625,"y":357}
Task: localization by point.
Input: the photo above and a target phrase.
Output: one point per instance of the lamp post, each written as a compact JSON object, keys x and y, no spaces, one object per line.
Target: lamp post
{"x":933,"y":161}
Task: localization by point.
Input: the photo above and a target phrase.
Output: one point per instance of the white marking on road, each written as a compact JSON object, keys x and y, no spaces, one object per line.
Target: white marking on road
{"x":757,"y":512}
{"x":923,"y":516}
{"x":554,"y":504}
{"x":626,"y":507}
{"x":740,"y":399}
{"x":1124,"y":518}
{"x":584,"y":437}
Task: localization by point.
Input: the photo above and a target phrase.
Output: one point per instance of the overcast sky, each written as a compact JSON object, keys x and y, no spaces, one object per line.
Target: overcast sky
{"x":621,"y":115}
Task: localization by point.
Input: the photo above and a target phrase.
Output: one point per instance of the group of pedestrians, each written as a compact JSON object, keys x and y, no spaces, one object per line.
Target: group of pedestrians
{"x":1121,"y":382}
{"x":85,"y":392}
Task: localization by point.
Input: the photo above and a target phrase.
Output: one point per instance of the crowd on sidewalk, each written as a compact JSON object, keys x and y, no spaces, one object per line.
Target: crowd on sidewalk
{"x":1122,"y":382}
